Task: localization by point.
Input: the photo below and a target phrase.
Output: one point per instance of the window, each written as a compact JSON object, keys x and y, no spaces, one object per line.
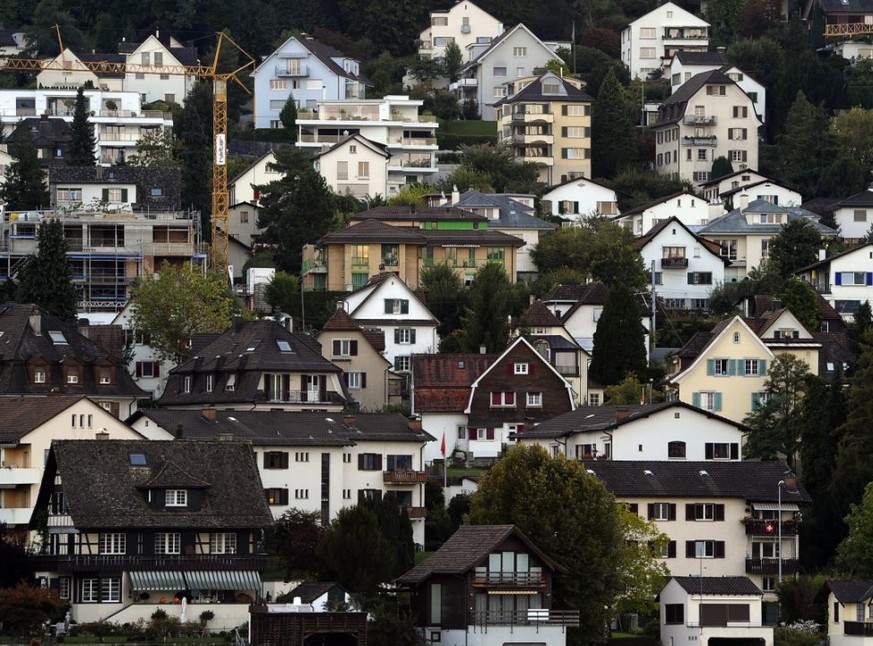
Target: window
{"x":594,"y":399}
{"x":275,"y":459}
{"x":404,"y":335}
{"x":301,"y":494}
{"x":69,"y":195}
{"x":576,"y":110}
{"x":244,"y":217}
{"x":355,"y":380}
{"x":720,"y":367}
{"x":575,"y":153}
{"x":860,"y":215}
{"x":176,"y":498}
{"x":222,"y":543}
{"x":647,"y":52}
{"x":700,"y":176}
{"x":72,"y":375}
{"x":113,"y":543}
{"x":852,"y":278}
{"x":89,"y":591}
{"x":64,"y":587}
{"x":728,"y":249}
{"x":370,"y":462}
{"x":704,"y":511}
{"x":662,"y":511}
{"x":738,"y":134}
{"x":499,"y":71}
{"x":342,"y":170}
{"x":396,"y":306}
{"x":345,"y":348}
{"x":710,"y":401}
{"x":276,"y":496}
{"x":520,"y":368}
{"x":741,"y":112}
{"x":701,"y":154}
{"x":716,"y":90}
{"x":230,"y":386}
{"x":283,"y":346}
{"x":535,"y":400}
{"x":499,"y":91}
{"x":700,"y":278}
{"x":676,"y":449}
{"x":503,"y":399}
{"x":704,"y":549}
{"x":104,"y":375}
{"x":210,"y":383}
{"x":738,"y":155}
{"x":278,"y":84}
{"x":519,"y":52}
{"x":168,"y":543}
{"x":751,"y":367}
{"x":403,"y":363}
{"x":674,"y":613}
{"x":648,"y":33}
{"x":722,"y":451}
{"x":765,"y":249}
{"x":301,"y":456}
{"x":39,"y":375}
{"x":363,"y":170}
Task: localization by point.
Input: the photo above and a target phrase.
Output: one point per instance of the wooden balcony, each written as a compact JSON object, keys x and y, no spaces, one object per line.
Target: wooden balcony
{"x":416,"y":512}
{"x":848,"y":29}
{"x":404,"y":477}
{"x":509,"y":580}
{"x":770,"y":566}
{"x":770,"y":528}
{"x":124,"y":562}
{"x":530,"y":617}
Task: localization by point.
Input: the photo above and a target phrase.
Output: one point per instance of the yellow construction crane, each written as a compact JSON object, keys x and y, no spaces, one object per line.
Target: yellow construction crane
{"x":220,"y":82}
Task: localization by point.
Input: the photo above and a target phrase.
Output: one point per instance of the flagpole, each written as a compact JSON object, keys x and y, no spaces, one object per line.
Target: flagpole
{"x":573,"y":47}
{"x":445,"y":463}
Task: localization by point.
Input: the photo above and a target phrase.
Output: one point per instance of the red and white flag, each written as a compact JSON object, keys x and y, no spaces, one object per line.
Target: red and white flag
{"x":443,"y":445}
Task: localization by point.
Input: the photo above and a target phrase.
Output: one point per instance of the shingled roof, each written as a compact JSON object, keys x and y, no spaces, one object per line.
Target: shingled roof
{"x":22,"y":414}
{"x":442,"y":382}
{"x":538,"y":315}
{"x":712,"y":247}
{"x":673,"y":108}
{"x":718,"y":585}
{"x":851,"y":591}
{"x":468,"y":547}
{"x":417,"y":213}
{"x":533,"y":91}
{"x":105,"y":491}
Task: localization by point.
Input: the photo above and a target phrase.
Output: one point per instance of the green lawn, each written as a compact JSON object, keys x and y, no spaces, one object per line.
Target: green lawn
{"x":473,"y":127}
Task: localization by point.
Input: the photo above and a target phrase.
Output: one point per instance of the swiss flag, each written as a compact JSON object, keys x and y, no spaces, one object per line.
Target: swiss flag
{"x":443,"y":445}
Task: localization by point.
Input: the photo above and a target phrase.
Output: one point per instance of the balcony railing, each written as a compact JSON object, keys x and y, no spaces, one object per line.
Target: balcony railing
{"x":847,"y":29}
{"x":404,"y":476}
{"x":531,"y":617}
{"x":770,"y":566}
{"x":509,"y":579}
{"x":700,"y":141}
{"x":122,"y":562}
{"x":416,"y":512}
{"x":305,"y":397}
{"x":770,"y":528}
{"x":864,"y":628}
{"x":300,"y":70}
{"x":698,"y":120}
{"x":674,"y":263}
{"x":822,"y":288}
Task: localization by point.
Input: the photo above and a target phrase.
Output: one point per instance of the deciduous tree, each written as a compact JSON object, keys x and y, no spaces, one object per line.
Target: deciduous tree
{"x":446,"y":297}
{"x":45,"y":280}
{"x":297,"y":535}
{"x":495,"y":166}
{"x":25,"y":608}
{"x":619,"y":339}
{"x":155,"y":149}
{"x":796,"y":246}
{"x":174,"y":304}
{"x":799,"y":297}
{"x":452,"y":61}
{"x":854,"y":556}
{"x":80,"y":150}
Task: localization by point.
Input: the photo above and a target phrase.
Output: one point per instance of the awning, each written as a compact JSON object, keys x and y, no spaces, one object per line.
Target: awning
{"x":774,"y":506}
{"x":224,"y":580}
{"x":152,"y":581}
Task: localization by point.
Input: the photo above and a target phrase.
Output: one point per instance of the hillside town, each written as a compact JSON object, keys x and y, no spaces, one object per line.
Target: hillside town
{"x":436,"y":323}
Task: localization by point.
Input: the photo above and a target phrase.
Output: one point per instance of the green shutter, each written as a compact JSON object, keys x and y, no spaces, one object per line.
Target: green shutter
{"x":124,"y":195}
{"x":389,"y":305}
{"x":710,"y":368}
{"x":733,"y":367}
{"x":695,"y":399}
{"x":105,"y":195}
{"x":717,"y":401}
{"x":762,"y":367}
{"x":412,"y":336}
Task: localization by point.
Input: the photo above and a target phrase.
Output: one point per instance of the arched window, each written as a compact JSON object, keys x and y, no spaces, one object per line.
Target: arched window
{"x":736,"y":337}
{"x":676,"y":449}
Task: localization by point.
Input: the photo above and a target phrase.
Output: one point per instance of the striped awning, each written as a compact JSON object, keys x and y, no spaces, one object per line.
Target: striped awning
{"x":248,"y":580}
{"x":774,"y":506}
{"x":153,"y":580}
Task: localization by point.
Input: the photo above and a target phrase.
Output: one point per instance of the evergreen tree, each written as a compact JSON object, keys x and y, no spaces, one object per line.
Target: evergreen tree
{"x":445,"y":297}
{"x":612,"y":144}
{"x":799,"y":297}
{"x":857,"y":331}
{"x":288,"y":117}
{"x":295,"y":210}
{"x":805,"y":146}
{"x":45,"y":279}
{"x":193,"y":133}
{"x":25,"y":181}
{"x":796,"y":246}
{"x":453,"y":59}
{"x":854,"y":556}
{"x":619,"y":340}
{"x":80,"y":151}
{"x":721,"y":166}
{"x":486,"y":318}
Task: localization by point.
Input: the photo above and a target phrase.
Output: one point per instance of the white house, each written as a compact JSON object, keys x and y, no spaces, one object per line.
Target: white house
{"x":686,"y":207}
{"x":845,"y":280}
{"x":854,"y":216}
{"x":69,"y":70}
{"x":148,"y":371}
{"x":848,"y":612}
{"x":156,"y":51}
{"x":728,"y":189}
{"x":686,"y":267}
{"x":308,"y":70}
{"x":355,"y":166}
{"x":579,"y":198}
{"x":463,"y":24}
{"x":713,"y":609}
{"x":660,"y":34}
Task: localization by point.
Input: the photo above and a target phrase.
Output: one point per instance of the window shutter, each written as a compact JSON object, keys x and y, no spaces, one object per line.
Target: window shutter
{"x":733,"y":367}
{"x":689,"y":549}
{"x":139,"y":368}
{"x":762,"y":367}
{"x":531,"y":369}
{"x":839,"y":278}
{"x":671,"y":550}
{"x":378,"y":462}
{"x":389,"y":307}
{"x":735,"y":451}
{"x":671,"y":511}
{"x":360,"y":461}
{"x":689,"y":511}
{"x":633,"y":508}
{"x":719,"y":512}
{"x":105,"y":198}
{"x":489,"y":433}
{"x":363,"y":380}
{"x":708,"y":452}
{"x":710,"y":368}
{"x":404,"y":307}
{"x":412,"y":336}
{"x":719,"y":549}
{"x":336,"y":348}
{"x":510,"y":368}
{"x":756,"y":401}
{"x":353,"y":348}
{"x":695,"y":399}
{"x":346,"y":379}
{"x":869,"y":280}
{"x":124,"y":195}
{"x":717,"y":398}
{"x":396,"y":336}
{"x":157,"y":369}
{"x":651,"y":511}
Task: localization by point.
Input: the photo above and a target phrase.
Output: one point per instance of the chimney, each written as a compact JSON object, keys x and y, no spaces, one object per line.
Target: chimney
{"x":36,"y":324}
{"x":621,"y":413}
{"x":744,"y":200}
{"x":483,"y":349}
{"x":102,"y":434}
{"x":822,"y":254}
{"x":721,"y":50}
{"x":208,"y":413}
{"x":414,"y":424}
{"x":456,"y":195}
{"x":349,"y":420}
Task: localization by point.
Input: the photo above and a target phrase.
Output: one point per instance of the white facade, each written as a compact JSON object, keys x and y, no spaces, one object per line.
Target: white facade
{"x":714,"y":188}
{"x":68,"y":72}
{"x":147,"y":370}
{"x":581,"y":323}
{"x":689,"y":209}
{"x":464,"y":24}
{"x":855,"y":216}
{"x":580,"y":198}
{"x":848,"y":614}
{"x":172,"y":88}
{"x":242,"y":187}
{"x":764,"y":190}
{"x":679,"y":72}
{"x":844,"y":280}
{"x":661,"y":33}
{"x":355,"y":166}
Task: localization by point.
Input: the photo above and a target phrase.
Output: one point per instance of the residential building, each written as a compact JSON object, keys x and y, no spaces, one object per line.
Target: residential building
{"x":5,"y":160}
{"x":685,"y":267}
{"x":846,"y":23}
{"x":30,"y":424}
{"x":118,"y":118}
{"x":744,"y":233}
{"x":392,"y":121}
{"x":355,"y":166}
{"x":712,"y":610}
{"x":579,"y":198}
{"x":308,"y":70}
{"x":722,"y":518}
{"x":714,"y":187}
{"x":514,"y":54}
{"x":506,"y":578}
{"x":405,"y":240}
{"x":258,"y":365}
{"x":13,"y":42}
{"x":71,"y":70}
{"x":686,"y":207}
{"x":50,"y":137}
{"x":122,"y":188}
{"x":725,"y":371}
{"x":387,"y":304}
{"x":514,"y":390}
{"x":138,"y":522}
{"x":765,"y":189}
{"x":280,"y":625}
{"x":708,"y":117}
{"x":848,"y":615}
{"x":668,"y":431}
{"x":353,"y":456}
{"x":47,"y":355}
{"x":658,"y":35}
{"x":845,"y":280}
{"x":156,"y":51}
{"x":244,"y":186}
{"x":321,"y":596}
{"x":463,"y":24}
{"x":854,"y":216}
{"x":360,"y":353}
{"x":148,"y":370}
{"x":546,"y":120}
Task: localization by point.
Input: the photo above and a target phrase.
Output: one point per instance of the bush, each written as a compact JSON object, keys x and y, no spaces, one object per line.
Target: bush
{"x":159,"y":615}
{"x":805,"y":633}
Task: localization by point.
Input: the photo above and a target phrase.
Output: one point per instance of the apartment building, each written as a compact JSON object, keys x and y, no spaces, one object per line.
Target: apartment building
{"x":655,"y":37}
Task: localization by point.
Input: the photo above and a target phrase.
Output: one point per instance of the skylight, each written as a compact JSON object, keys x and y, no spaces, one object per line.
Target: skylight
{"x":137,"y":459}
{"x":284,"y":346}
{"x":57,"y":337}
{"x":253,"y":345}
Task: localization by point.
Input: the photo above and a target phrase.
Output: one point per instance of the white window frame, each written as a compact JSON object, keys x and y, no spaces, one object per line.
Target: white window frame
{"x":535,"y":400}
{"x":707,"y":400}
{"x":113,"y":543}
{"x":750,"y":368}
{"x":110,"y":590}
{"x":89,"y":590}
{"x":354,"y":380}
{"x":521,"y":368}
{"x":704,"y":549}
{"x":176,"y":498}
{"x":661,"y":511}
{"x":168,"y":543}
{"x":404,"y":335}
{"x":222,"y":543}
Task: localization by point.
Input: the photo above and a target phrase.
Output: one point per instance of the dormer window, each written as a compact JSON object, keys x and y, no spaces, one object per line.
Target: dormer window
{"x":283,"y":346}
{"x":210,"y":383}
{"x":176,"y":498}
{"x":104,"y":375}
{"x":39,"y":375}
{"x":186,"y":384}
{"x":230,"y":386}
{"x":72,"y":375}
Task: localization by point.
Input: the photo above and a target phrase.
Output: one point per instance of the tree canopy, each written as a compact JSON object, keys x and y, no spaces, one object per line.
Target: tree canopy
{"x":612,"y":146}
{"x":795,"y":246}
{"x":486,"y":317}
{"x":177,"y":302}
{"x":619,"y":339}
{"x":45,"y":279}
{"x":80,"y":150}
{"x":854,"y":556}
{"x":25,"y":187}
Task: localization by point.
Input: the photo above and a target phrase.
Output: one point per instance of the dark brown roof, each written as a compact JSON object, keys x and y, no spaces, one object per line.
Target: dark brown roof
{"x":22,"y":414}
{"x":701,"y":58}
{"x":591,"y":294}
{"x":418,"y":213}
{"x":466,"y":548}
{"x":340,"y":321}
{"x":851,"y":591}
{"x":712,"y":247}
{"x":538,"y":315}
{"x":719,"y":585}
{"x":441,"y":382}
{"x":326,"y":54}
{"x":752,"y":481}
{"x":374,"y":230}
{"x":533,"y":91}
{"x":673,"y":108}
{"x":104,"y":490}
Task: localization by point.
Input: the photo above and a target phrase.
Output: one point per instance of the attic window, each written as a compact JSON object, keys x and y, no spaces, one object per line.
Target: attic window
{"x":253,"y":345}
{"x":176,"y":498}
{"x":461,"y":364}
{"x":57,"y":337}
{"x":137,"y":459}
{"x":231,"y":383}
{"x":284,"y":346}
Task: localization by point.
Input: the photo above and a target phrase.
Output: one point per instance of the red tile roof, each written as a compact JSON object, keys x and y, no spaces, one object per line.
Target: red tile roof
{"x":441,"y":382}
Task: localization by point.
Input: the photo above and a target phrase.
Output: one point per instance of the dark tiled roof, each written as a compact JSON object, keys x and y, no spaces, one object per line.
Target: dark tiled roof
{"x":753,"y":481}
{"x":326,"y":54}
{"x":512,"y":213}
{"x":286,"y":428}
{"x":591,"y":294}
{"x":533,"y":91}
{"x":465,"y":549}
{"x":417,"y":213}
{"x":440,"y":384}
{"x":340,"y":320}
{"x":22,"y":414}
{"x":827,"y":260}
{"x":852,"y":7}
{"x":655,"y":202}
{"x":718,"y":585}
{"x":735,"y":221}
{"x":538,"y":315}
{"x":674,"y":106}
{"x":701,"y":58}
{"x":851,"y":591}
{"x":103,"y":489}
{"x":472,"y":236}
{"x":374,"y":230}
{"x":710,"y":246}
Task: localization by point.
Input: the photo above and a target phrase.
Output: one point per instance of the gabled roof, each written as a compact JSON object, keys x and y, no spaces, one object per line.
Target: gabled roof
{"x":720,"y":330}
{"x":375,"y":146}
{"x":864,"y":198}
{"x":851,"y":591}
{"x":700,"y":58}
{"x":22,"y":414}
{"x":324,"y":53}
{"x":578,"y":180}
{"x":496,"y":42}
{"x":590,"y":294}
{"x":752,"y":481}
{"x":735,"y":221}
{"x":852,"y":7}
{"x":538,"y":315}
{"x":466,"y":548}
{"x":441,"y":382}
{"x":718,"y":180}
{"x":417,"y":214}
{"x":718,"y":585}
{"x":245,"y":170}
{"x":310,"y":591}
{"x":829,"y":259}
{"x":746,"y":187}
{"x":104,"y":490}
{"x":661,"y":200}
{"x":185,"y":55}
{"x":373,"y":287}
{"x":512,"y":213}
{"x":686,"y":92}
{"x":710,"y":246}
{"x":341,"y":321}
{"x":533,"y":91}
{"x":374,"y":230}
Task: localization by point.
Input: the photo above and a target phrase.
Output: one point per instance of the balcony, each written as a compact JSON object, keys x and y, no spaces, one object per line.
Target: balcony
{"x":532,"y":117}
{"x":509,"y":580}
{"x":539,"y":139}
{"x":360,"y":262}
{"x":404,"y":477}
{"x":683,"y":33}
{"x":822,"y":288}
{"x":122,"y":562}
{"x":847,"y":29}
{"x":770,"y":528}
{"x":698,"y":120}
{"x":292,"y":72}
{"x":710,"y":141}
{"x":15,"y":515}
{"x":305,"y":397}
{"x":14,"y":476}
{"x":416,"y":512}
{"x":531,"y":617}
{"x":674,"y":263}
{"x":770,"y":566}
{"x":864,"y":628}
